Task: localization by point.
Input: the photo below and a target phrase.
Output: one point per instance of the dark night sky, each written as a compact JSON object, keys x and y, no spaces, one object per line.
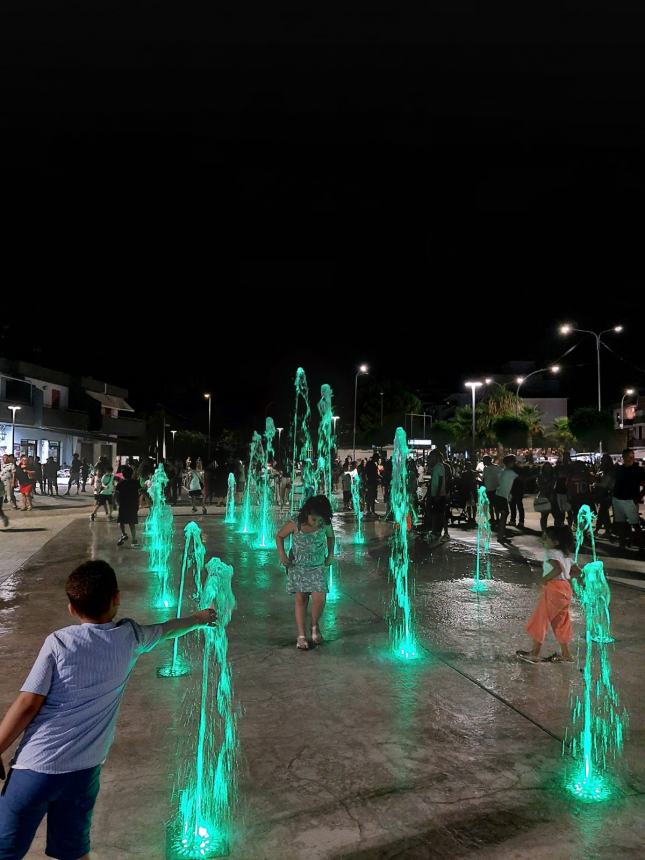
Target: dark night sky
{"x":430,"y":191}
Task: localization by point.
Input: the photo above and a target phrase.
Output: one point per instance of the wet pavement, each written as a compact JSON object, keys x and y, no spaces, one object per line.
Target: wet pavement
{"x":346,"y":752}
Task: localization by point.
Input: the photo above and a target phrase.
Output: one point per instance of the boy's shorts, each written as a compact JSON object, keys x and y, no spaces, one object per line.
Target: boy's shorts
{"x":67,"y":799}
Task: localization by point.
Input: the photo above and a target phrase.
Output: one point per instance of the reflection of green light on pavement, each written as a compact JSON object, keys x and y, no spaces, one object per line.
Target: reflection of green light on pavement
{"x":479,"y":586}
{"x":333,"y":593}
{"x":590,"y":789}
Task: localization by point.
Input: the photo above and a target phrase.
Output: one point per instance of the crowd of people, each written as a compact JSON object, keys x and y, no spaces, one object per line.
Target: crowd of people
{"x":443,"y":489}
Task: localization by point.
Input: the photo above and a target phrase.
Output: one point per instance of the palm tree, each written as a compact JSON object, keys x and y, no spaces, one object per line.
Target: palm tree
{"x":533,"y":418}
{"x":561,"y":432}
{"x":497,"y":403}
{"x":461,"y":424}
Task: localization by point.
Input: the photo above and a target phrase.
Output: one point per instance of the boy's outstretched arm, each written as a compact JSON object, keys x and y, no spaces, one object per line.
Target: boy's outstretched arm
{"x":16,"y":720}
{"x":178,"y":626}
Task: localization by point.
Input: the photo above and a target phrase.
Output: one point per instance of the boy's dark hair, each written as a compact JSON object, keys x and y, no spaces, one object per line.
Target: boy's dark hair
{"x":317,"y":505}
{"x":562,"y":537}
{"x":127,"y":472}
{"x":90,"y":588}
{"x":510,"y":460}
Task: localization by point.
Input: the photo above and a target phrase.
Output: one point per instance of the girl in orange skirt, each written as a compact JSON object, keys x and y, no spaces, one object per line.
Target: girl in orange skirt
{"x":553,"y":605}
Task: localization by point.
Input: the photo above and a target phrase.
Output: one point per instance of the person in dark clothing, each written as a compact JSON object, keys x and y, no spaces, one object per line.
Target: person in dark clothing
{"x":85,"y":474}
{"x":74,"y":475}
{"x":602,"y":493}
{"x":387,"y":481}
{"x":467,"y":489}
{"x":370,"y":476}
{"x":515,"y":502}
{"x":51,"y":476}
{"x":38,"y":476}
{"x":629,"y":487}
{"x":562,"y":504}
{"x":546,"y":493}
{"x":128,"y":496}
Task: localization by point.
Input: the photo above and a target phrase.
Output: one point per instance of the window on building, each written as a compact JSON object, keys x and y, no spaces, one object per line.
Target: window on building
{"x":55,"y":398}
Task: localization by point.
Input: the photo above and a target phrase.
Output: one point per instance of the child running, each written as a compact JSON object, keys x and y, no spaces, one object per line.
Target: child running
{"x":127,"y":492}
{"x":553,"y":605}
{"x":312,"y":552}
{"x":67,"y":709}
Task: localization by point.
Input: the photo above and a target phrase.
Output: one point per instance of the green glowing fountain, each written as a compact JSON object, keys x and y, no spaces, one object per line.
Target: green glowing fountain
{"x":400,"y":615}
{"x":159,"y":537}
{"x":194,"y":555}
{"x":207,"y":778}
{"x":356,"y":504}
{"x":249,"y":503}
{"x":483,"y":542}
{"x":266,"y":537}
{"x":585,"y":526}
{"x":305,"y":451}
{"x":599,"y":720}
{"x":230,"y":500}
{"x":325,"y":436}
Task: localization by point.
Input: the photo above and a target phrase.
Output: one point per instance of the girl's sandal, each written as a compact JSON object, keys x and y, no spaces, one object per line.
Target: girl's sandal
{"x":316,"y":636}
{"x":558,"y":658}
{"x":302,"y":644}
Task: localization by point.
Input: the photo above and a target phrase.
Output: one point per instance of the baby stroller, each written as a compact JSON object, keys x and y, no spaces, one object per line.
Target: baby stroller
{"x":459,"y":508}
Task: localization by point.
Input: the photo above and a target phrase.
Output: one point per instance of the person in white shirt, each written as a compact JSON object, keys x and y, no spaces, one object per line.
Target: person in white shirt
{"x":503,"y":495}
{"x":553,"y":606}
{"x":490,"y":480}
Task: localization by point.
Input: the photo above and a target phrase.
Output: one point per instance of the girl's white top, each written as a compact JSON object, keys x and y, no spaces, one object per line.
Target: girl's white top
{"x":557,"y":555}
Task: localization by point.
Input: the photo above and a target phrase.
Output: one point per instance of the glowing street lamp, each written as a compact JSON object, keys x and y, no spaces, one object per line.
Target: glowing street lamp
{"x":363,"y":370}
{"x":473,"y":389}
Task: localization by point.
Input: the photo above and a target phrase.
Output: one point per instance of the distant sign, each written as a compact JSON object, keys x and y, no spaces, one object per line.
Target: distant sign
{"x":420,"y":443}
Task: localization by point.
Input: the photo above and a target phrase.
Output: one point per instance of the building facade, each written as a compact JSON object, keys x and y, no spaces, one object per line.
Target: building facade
{"x":45,"y":413}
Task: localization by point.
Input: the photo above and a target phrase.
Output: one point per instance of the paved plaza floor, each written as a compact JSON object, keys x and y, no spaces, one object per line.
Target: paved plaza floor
{"x":346,"y":752}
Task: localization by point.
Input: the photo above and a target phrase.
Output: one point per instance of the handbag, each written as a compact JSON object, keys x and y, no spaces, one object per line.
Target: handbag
{"x":542,"y":505}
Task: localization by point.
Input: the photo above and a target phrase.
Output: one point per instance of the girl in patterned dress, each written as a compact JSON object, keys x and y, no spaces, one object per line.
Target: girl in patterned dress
{"x":312,"y":552}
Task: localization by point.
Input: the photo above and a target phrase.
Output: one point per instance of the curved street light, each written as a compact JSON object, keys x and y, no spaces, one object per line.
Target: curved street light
{"x":363,"y":370}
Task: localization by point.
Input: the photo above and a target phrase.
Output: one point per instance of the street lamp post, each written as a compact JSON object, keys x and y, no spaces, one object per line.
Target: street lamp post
{"x":173,"y":442}
{"x":567,"y":329}
{"x":628,"y":393}
{"x":473,"y":388}
{"x":209,"y":398}
{"x":335,"y":418}
{"x":381,"y":408}
{"x":13,"y":409}
{"x":520,"y":380}
{"x":362,"y":371}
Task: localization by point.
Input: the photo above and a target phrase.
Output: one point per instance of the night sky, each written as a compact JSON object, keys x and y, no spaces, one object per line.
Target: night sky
{"x":204,"y":196}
